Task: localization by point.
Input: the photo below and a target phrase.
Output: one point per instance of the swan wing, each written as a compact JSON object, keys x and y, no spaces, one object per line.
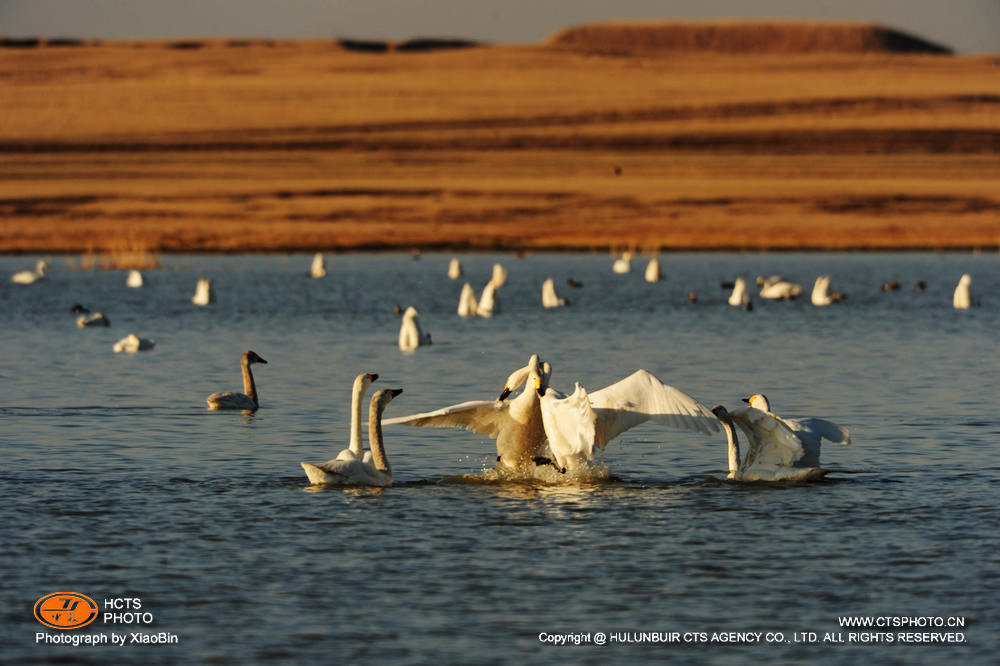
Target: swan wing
{"x":570,"y":426}
{"x":485,"y":417}
{"x":770,"y":440}
{"x":820,"y":428}
{"x":642,"y":397}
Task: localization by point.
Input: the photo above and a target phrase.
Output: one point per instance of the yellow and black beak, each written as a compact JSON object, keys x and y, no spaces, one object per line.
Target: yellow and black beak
{"x":504,"y":394}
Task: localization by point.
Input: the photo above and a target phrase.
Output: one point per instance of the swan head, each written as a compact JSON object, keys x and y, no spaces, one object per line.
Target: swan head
{"x":542,"y":381}
{"x":722,"y":414}
{"x":364,"y":380}
{"x":410,"y":312}
{"x":966,"y":279}
{"x":384,"y":397}
{"x":519,"y":376}
{"x":41,"y":266}
{"x":252,"y":357}
{"x":759,"y":401}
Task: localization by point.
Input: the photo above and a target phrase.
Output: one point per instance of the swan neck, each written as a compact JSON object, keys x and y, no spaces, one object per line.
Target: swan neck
{"x":249,"y":387}
{"x":379,"y":458}
{"x":355,"y":443}
{"x":734,"y":446}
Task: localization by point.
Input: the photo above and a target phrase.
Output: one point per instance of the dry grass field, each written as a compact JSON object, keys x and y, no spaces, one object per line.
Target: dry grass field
{"x":231,"y":146}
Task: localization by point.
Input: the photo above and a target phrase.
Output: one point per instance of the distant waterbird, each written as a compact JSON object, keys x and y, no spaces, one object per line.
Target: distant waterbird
{"x":248,"y":400}
{"x":31,"y":277}
{"x":203,"y":293}
{"x":410,"y":335}
{"x":962,"y":298}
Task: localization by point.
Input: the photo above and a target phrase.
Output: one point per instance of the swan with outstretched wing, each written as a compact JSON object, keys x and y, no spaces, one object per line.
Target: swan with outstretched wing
{"x":774,"y":451}
{"x":578,"y":422}
{"x":515,"y":424}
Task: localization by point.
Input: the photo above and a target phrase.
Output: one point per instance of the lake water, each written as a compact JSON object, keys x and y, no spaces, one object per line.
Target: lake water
{"x":119,"y":483}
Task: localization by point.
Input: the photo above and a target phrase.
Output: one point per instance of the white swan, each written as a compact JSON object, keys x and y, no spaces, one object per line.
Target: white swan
{"x":467,"y":305}
{"x":516,"y":424}
{"x":653,"y":270}
{"x":318,"y":267}
{"x":623,"y":264}
{"x":809,"y":431}
{"x":133,"y":343}
{"x":740,"y":296}
{"x":96,"y":319}
{"x":454,"y":268}
{"x":353,"y":472}
{"x":354,"y":445}
{"x":549,"y":297}
{"x":541,"y":424}
{"x":134,"y":279}
{"x":410,"y":335}
{"x":773,"y":288}
{"x":774,"y":452}
{"x":821,"y":295}
{"x":246,"y":400}
{"x":962,"y":299}
{"x":489,"y":301}
{"x":31,"y":277}
{"x":499,"y":277}
{"x":203,"y":294}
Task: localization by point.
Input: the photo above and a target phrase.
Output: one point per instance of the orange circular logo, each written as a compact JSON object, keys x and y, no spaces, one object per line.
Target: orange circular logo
{"x":66,"y":610}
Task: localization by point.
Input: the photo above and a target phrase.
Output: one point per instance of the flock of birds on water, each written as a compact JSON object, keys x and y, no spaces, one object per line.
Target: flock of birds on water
{"x":542,"y":433}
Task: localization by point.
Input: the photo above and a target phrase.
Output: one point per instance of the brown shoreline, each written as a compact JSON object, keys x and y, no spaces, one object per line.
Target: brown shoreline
{"x":297,"y":147}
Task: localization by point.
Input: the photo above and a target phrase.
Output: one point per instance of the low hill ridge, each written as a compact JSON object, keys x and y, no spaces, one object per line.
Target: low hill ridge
{"x":760,"y":37}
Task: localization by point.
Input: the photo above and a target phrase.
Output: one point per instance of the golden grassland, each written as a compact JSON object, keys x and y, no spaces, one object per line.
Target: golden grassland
{"x":139,"y":147}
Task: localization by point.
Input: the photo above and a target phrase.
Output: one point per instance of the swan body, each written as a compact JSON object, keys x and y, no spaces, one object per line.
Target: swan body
{"x":248,"y":399}
{"x":821,"y":294}
{"x":203,"y":294}
{"x":318,"y":267}
{"x":623,"y":264}
{"x":549,"y":297}
{"x":778,"y":289}
{"x":133,"y":343}
{"x":467,"y":305}
{"x":489,"y":301}
{"x":95,"y":319}
{"x":809,"y":431}
{"x":454,"y":268}
{"x":374,"y":471}
{"x":962,"y":299}
{"x":31,"y":277}
{"x":410,"y":335}
{"x":134,"y":279}
{"x":499,"y":277}
{"x":653,"y":270}
{"x":774,"y":452}
{"x":740,"y":296}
